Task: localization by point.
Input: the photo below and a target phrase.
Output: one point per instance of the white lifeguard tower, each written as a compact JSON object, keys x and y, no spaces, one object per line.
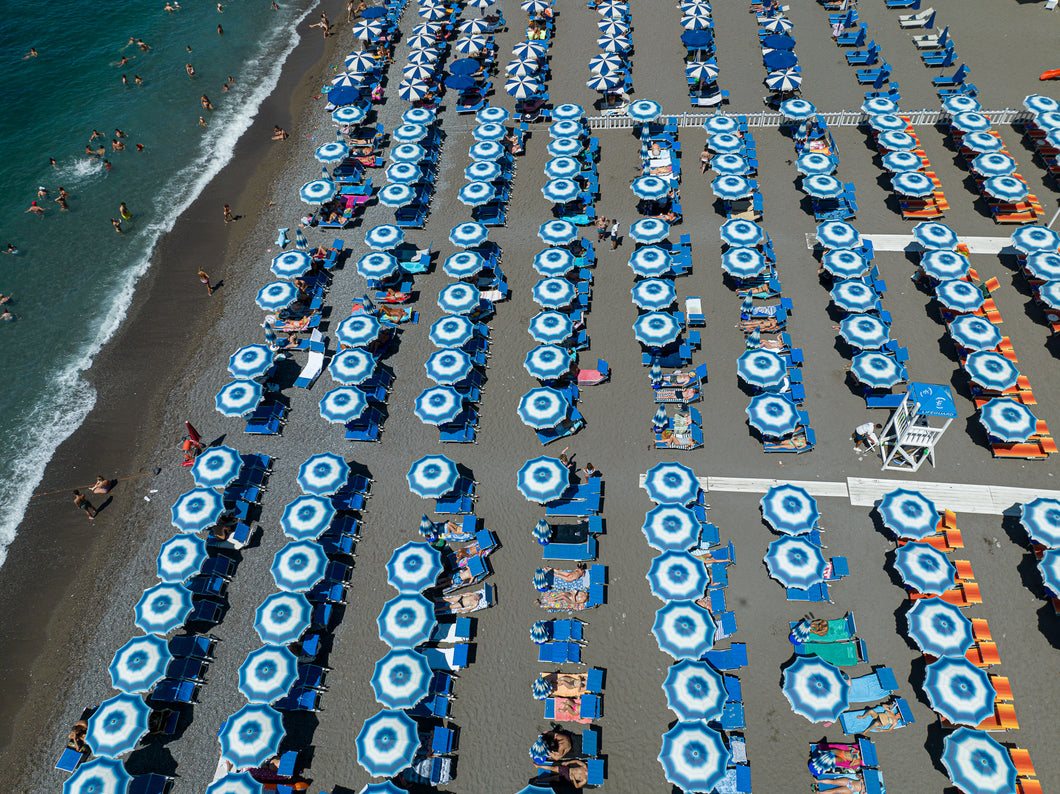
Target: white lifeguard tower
{"x":916,"y":426}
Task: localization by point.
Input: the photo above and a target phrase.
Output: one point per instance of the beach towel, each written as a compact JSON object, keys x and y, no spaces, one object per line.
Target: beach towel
{"x":841,"y":654}
{"x":553,"y":601}
{"x":569,"y":710}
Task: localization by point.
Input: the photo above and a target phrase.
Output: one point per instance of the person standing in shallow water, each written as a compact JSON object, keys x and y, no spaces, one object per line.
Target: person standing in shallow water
{"x":204,"y":278}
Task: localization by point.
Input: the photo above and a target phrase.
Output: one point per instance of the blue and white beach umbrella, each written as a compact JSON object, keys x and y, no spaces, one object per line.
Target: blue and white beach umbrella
{"x":493,"y":114}
{"x":282,"y":618}
{"x":357,"y":329}
{"x":994,"y":164}
{"x":1041,"y":521}
{"x":809,"y":164}
{"x":558,"y":232}
{"x":877,"y":370}
{"x":671,"y":527}
{"x":695,"y":691}
{"x":909,"y":514}
{"x":140,"y":664}
{"x":163,"y":608}
{"x":941,"y":265}
{"x":413,"y":567}
{"x":1049,"y":568}
{"x":1006,"y":419}
{"x":554,"y":293}
{"x":351,"y":367}
{"x":912,"y":183}
{"x":424,"y":57}
{"x":1006,"y":188}
{"x":741,"y":233}
{"x":489,"y":132}
{"x":684,"y":630}
{"x":694,"y":756}
{"x":387,"y":743}
{"x":815,"y":689}
{"x":412,"y":90}
{"x":822,"y":186}
{"x":1037,"y":103}
{"x":396,"y":194}
{"x":277,"y":295}
{"x":463,"y":264}
{"x":844,"y":263}
{"x":876,"y":105}
{"x":406,"y":621}
{"x":333,"y":152}
{"x":343,"y":404}
{"x":318,"y":191}
{"x":650,"y":187}
{"x":543,"y":407}
{"x":706,"y":71}
{"x":486,"y":150}
{"x":959,"y":295}
{"x":604,"y":82}
{"x":855,"y":296}
{"x":656,"y":329}
{"x":238,"y":397}
{"x":731,"y":188}
{"x":377,"y":265}
{"x":650,"y":261}
{"x":1050,"y":120}
{"x":468,"y":234}
{"x":982,"y":142}
{"x":452,"y":330}
{"x":117,"y":725}
{"x":554,"y":261}
{"x":410,"y":133}
{"x":548,"y":362}
{"x":865,"y":332}
{"x":543,"y":479}
{"x":562,"y":168}
{"x":401,"y":679}
{"x":654,"y":294}
{"x":298,"y":566}
{"x":564,"y":128}
{"x":883,"y":122}
{"x":482,"y":171}
{"x":360,"y":63}
{"x":772,"y":415}
{"x":960,"y":104}
{"x":568,"y":112}
{"x":560,"y":191}
{"x":797,"y":109}
{"x":895,"y":140}
{"x":98,"y":776}
{"x":322,"y":475}
{"x":196,"y":509}
{"x":367,"y":29}
{"x":644,"y":110}
{"x":605,"y":63}
{"x":612,"y":27}
{"x":789,"y":509}
{"x":448,"y":366}
{"x":404,"y":174}
{"x":838,"y":234}
{"x":935,"y":236}
{"x":783,"y":80}
{"x":407,"y":153}
{"x":974,"y":333}
{"x":1049,"y":294}
{"x":938,"y":628}
{"x":958,"y":691}
{"x":970,"y":122}
{"x":977,"y":764}
{"x":251,"y":361}
{"x":542,"y":533}
{"x":267,"y":674}
{"x":924,"y":569}
{"x":251,"y":735}
{"x":180,"y":558}
{"x":349,"y":114}
{"x":439,"y":405}
{"x":1029,"y":239}
{"x":565,"y":147}
{"x":671,"y":483}
{"x":217,"y":466}
{"x":761,"y":368}
{"x":432,"y":476}
{"x":459,"y":298}
{"x":901,"y":161}
{"x":991,"y":371}
{"x":521,"y":87}
{"x":418,"y":116}
{"x":795,"y":562}
{"x":677,"y":576}
{"x":235,"y":783}
{"x":649,"y":230}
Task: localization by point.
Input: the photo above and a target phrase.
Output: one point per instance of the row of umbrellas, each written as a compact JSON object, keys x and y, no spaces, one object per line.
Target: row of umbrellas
{"x":609,"y":69}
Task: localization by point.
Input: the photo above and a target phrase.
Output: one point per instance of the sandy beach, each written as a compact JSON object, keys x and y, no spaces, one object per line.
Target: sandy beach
{"x":68,"y":588}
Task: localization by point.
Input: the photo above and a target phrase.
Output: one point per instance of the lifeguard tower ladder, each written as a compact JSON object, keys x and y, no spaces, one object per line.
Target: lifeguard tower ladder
{"x":916,"y":426}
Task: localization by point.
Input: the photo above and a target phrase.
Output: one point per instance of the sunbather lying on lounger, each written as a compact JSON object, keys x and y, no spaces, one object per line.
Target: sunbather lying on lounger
{"x":830,"y":759}
{"x":562,"y":599}
{"x":573,"y":773}
{"x":468,"y":602}
{"x":560,"y":579}
{"x":558,"y":743}
{"x":840,"y":786}
{"x":287,"y":326}
{"x":676,"y":440}
{"x":564,"y":684}
{"x":766,"y":325}
{"x":796,"y":442}
{"x":683,"y":395}
{"x":884,"y":717}
{"x":569,"y":710}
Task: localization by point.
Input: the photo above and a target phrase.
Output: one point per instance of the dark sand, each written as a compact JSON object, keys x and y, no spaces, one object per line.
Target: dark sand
{"x":90,"y":610}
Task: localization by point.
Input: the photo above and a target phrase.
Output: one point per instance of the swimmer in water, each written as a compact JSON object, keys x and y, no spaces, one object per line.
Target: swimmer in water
{"x":11,"y":249}
{"x":117,"y":145}
{"x":62,"y":192}
{"x":138,"y":80}
{"x":42,"y":192}
{"x":124,"y":60}
{"x":35,"y":209}
{"x":139,"y":147}
{"x":202,"y":121}
{"x":116,"y":224}
{"x":31,"y":54}
{"x":220,"y":31}
{"x":205,"y":102}
{"x":118,"y":133}
{"x":52,"y":163}
{"x":61,"y":201}
{"x":124,"y":212}
{"x":189,"y":69}
{"x":95,"y":134}
{"x":106,"y":164}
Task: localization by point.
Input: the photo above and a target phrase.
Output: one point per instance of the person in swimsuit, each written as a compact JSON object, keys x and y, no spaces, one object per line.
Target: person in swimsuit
{"x":468,"y":602}
{"x":75,"y":740}
{"x":562,"y":599}
{"x":574,"y":773}
{"x":83,"y":503}
{"x":61,"y":201}
{"x":116,"y":224}
{"x":558,"y":743}
{"x":35,"y":208}
{"x":204,"y":278}
{"x":565,"y":684}
{"x":103,"y":485}
{"x":124,"y":212}
{"x":886,"y":720}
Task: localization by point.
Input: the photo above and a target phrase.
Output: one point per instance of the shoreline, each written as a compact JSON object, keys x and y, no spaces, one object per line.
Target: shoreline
{"x":128,"y":432}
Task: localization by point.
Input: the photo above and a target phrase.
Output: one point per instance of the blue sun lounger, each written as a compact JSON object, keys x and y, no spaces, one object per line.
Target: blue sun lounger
{"x":560,"y":653}
{"x":733,"y":658}
{"x":853,"y":722}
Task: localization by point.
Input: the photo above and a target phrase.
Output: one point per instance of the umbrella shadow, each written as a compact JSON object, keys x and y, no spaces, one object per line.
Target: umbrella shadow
{"x":1049,"y":624}
{"x":300,"y":727}
{"x":892,"y":572}
{"x":1030,"y":577}
{"x":977,"y":432}
{"x":934,"y":743}
{"x":917,"y":670}
{"x":151,"y":758}
{"x":901,"y":625}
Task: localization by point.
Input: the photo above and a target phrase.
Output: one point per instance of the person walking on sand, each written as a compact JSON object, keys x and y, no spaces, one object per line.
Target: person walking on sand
{"x":204,"y":277}
{"x":228,"y":214}
{"x":614,"y":234}
{"x":84,"y":504}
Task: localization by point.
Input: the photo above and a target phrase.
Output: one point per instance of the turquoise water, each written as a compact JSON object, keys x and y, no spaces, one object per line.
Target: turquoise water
{"x":74,"y":276}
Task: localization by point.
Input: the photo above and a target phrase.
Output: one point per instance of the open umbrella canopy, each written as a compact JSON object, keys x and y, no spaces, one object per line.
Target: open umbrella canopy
{"x":251,"y":735}
{"x":671,"y":527}
{"x":298,"y":566}
{"x":554,"y":293}
{"x":216,"y":467}
{"x":896,"y":140}
{"x":98,"y":776}
{"x":1028,"y":239}
{"x":387,"y":743}
{"x":483,"y":171}
{"x":815,"y":689}
{"x":140,"y":664}
{"x":908,"y":514}
{"x":938,"y":628}
{"x":349,"y":114}
{"x":343,"y":404}
{"x":677,"y":576}
{"x":307,"y":517}
{"x":650,"y":187}
{"x":982,"y":142}
{"x":396,"y":194}
{"x":407,"y":153}
{"x":1009,"y":189}
{"x":694,"y":691}
{"x":706,"y":71}
{"x":554,"y":262}
{"x":901,"y":161}
{"x":838,"y":234}
{"x":795,"y":562}
{"x":1044,"y":265}
{"x":605,"y":63}
{"x":772,"y":415}
{"x":725,"y":143}
{"x":684,"y":630}
{"x":958,"y":691}
{"x":251,"y":361}
{"x":267,"y":674}
{"x":196,"y":509}
{"x":404,"y":173}
{"x":277,"y":295}
{"x":991,"y":371}
{"x":1049,"y":568}
{"x":358,"y":329}
{"x":548,"y":362}
{"x":797,"y":109}
{"x":864,"y":331}
{"x":855,"y":296}
{"x":644,"y":110}
{"x":459,"y":298}
{"x":656,"y":329}
{"x":463,"y":264}
{"x":811,"y":164}
{"x":649,"y":261}
{"x":654,"y":294}
{"x":822,"y":186}
{"x":959,"y":295}
{"x":977,"y":764}
{"x":789,"y":509}
{"x":876,"y":105}
{"x":649,"y":230}
{"x":693,"y":756}
{"x":741,"y":262}
{"x":1040,"y":519}
{"x":377,"y":265}
{"x":994,"y":164}
{"x":877,"y":370}
{"x":406,"y":621}
{"x":974,"y":333}
{"x":318,"y":191}
{"x":1049,"y":294}
{"x":493,"y":114}
{"x":323,"y":474}
{"x":180,"y":558}
{"x":970,"y":122}
{"x":333,"y":152}
{"x":844,"y":263}
{"x":543,"y":479}
{"x":1007,"y":420}
{"x":468,"y":234}
{"x":742,"y":233}
{"x":413,"y":567}
{"x":558,"y":232}
{"x":887,"y":121}
{"x":439,"y":405}
{"x":163,"y":608}
{"x":401,"y":679}
{"x":562,"y":168}
{"x":763,"y":369}
{"x":729,"y":187}
{"x":912,"y":183}
{"x":238,"y":397}
{"x":451,"y":331}
{"x":282,"y":618}
{"x":565,"y":147}
{"x":432,"y":476}
{"x":783,"y":79}
{"x":560,"y":191}
{"x":935,"y":236}
{"x":521,"y":87}
{"x":924,"y":569}
{"x":671,"y":483}
{"x":448,"y":365}
{"x":543,"y":407}
{"x":235,"y":783}
{"x":352,"y":366}
{"x":568,"y":112}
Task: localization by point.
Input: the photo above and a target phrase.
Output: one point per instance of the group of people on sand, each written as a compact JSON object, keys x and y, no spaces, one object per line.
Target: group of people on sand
{"x":101,"y":486}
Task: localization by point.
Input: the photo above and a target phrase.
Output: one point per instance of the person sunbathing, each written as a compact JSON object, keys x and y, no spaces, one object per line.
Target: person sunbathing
{"x":323,"y":252}
{"x":103,"y":485}
{"x":395,"y":296}
{"x":75,"y":740}
{"x":561,"y":579}
{"x":827,"y":759}
{"x":676,"y":440}
{"x":574,"y":773}
{"x":840,"y":786}
{"x":885,"y":720}
{"x":568,"y":709}
{"x":468,"y":602}
{"x":565,"y":685}
{"x":290,"y":325}
{"x":558,"y":743}
{"x":563,"y":599}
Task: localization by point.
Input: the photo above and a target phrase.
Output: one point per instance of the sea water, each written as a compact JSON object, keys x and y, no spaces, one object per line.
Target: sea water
{"x":74,"y":276}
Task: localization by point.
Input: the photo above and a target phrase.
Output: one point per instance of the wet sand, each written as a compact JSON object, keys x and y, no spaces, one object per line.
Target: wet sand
{"x":87,"y":577}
